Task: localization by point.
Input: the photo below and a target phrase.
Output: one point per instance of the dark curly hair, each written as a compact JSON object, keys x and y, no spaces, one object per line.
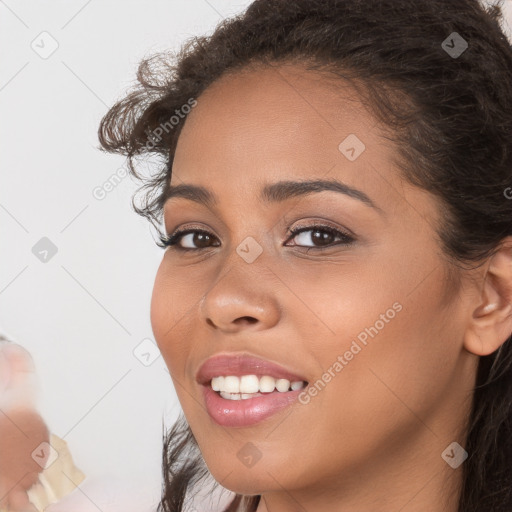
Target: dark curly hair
{"x":449,"y":114}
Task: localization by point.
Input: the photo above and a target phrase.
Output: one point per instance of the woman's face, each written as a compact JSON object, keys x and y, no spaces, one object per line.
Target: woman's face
{"x":366,"y":317}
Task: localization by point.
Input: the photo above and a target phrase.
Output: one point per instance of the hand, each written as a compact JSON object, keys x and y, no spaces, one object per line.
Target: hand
{"x":22,"y":429}
{"x":18,"y":382}
{"x":21,"y":432}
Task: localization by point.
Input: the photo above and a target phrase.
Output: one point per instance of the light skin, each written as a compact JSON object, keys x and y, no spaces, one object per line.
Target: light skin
{"x":22,"y":430}
{"x":372,"y":438}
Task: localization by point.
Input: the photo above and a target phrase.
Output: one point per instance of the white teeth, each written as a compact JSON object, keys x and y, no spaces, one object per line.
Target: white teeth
{"x":231,"y":384}
{"x":238,"y":396}
{"x":248,"y":386}
{"x":282,"y":385}
{"x":297,"y":385}
{"x":267,"y":384}
{"x":217,"y":383}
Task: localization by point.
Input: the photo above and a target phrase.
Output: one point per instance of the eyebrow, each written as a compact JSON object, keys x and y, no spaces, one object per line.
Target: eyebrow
{"x":271,"y":193}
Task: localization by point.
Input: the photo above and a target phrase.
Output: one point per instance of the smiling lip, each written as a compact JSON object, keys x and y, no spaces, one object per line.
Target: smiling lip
{"x":242,"y":364}
{"x":242,"y":413}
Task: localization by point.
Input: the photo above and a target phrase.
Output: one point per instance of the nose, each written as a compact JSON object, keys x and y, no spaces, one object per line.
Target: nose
{"x":242,"y":298}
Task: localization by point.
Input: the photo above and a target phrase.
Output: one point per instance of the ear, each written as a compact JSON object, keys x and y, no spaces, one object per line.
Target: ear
{"x":491,"y":321}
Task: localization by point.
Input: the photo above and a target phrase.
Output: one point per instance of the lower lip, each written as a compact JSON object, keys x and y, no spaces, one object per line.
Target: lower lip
{"x":242,"y":413}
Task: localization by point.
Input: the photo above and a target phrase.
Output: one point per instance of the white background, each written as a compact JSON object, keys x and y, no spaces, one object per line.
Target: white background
{"x":82,"y":313}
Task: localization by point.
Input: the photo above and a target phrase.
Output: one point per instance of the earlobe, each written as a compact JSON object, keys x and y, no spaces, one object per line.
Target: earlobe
{"x":491,"y":321}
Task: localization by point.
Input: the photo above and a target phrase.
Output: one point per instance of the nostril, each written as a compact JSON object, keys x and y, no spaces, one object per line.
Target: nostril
{"x":247,"y":319}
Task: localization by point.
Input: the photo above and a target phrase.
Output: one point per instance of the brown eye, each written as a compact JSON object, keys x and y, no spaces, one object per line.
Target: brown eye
{"x":320,"y":236}
{"x":198,"y":238}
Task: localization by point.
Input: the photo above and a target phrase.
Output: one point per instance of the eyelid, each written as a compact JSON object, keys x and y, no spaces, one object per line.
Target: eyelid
{"x":314,"y":222}
{"x":310,"y":224}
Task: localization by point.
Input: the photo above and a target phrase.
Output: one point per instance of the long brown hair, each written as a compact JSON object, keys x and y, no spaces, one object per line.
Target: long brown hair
{"x":450,"y":114}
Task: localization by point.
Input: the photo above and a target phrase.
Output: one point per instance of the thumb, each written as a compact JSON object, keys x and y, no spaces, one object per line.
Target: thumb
{"x":19,"y":502}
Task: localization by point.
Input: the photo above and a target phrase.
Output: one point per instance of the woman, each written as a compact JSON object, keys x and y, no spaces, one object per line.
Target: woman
{"x":335,"y":301}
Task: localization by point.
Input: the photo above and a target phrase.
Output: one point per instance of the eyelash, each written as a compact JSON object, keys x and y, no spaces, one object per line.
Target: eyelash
{"x":172,"y":240}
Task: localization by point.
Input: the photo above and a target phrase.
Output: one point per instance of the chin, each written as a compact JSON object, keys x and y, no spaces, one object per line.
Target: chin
{"x":261,"y":477}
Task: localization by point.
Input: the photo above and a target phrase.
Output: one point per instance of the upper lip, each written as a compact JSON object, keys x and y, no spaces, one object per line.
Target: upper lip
{"x":242,"y":364}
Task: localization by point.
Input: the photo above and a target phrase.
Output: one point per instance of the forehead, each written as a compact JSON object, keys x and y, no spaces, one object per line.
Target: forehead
{"x":266,"y":120}
{"x":283,"y":111}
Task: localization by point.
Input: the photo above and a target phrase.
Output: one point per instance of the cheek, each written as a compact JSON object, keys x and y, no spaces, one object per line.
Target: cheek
{"x":388,"y":351}
{"x":382,"y":327}
{"x":165,"y":313}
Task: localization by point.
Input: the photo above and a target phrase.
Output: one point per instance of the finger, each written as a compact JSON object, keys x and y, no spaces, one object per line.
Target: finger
{"x":19,"y":379}
{"x":19,"y":358}
{"x":22,"y":457}
{"x":19,"y":502}
{"x":5,"y":371}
